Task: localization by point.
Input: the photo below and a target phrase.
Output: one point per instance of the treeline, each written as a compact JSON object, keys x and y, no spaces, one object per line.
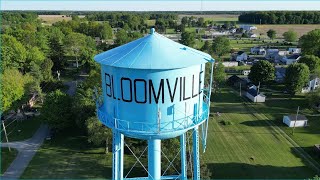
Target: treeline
{"x":281,"y":17}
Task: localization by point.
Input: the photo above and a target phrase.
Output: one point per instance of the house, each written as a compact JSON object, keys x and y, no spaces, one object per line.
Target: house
{"x":280,"y":73}
{"x":291,"y":59}
{"x":248,"y":27}
{"x":233,"y":30}
{"x":258,"y":50}
{"x":294,"y":50}
{"x":253,"y":36}
{"x":279,"y":56}
{"x":295,"y":120}
{"x":241,"y":56}
{"x":246,"y":72}
{"x":230,"y":63}
{"x":311,"y":86}
{"x":235,"y":81}
{"x":317,"y":149}
{"x":271,"y":53}
{"x":254,"y":96}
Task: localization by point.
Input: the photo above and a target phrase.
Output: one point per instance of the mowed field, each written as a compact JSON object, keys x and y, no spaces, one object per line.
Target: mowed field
{"x":301,"y":29}
{"x":50,"y":19}
{"x":251,"y":147}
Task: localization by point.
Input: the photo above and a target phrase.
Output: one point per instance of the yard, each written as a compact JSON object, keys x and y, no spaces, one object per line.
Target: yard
{"x":251,"y":147}
{"x":6,"y":158}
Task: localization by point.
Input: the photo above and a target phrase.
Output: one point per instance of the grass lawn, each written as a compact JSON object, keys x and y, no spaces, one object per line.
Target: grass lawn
{"x":6,"y":158}
{"x":250,"y":147}
{"x":69,"y":156}
{"x":301,"y":29}
{"x":21,"y":130}
{"x":279,"y":104}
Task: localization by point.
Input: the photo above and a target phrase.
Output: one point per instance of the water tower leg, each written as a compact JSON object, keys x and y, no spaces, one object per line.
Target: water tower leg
{"x":196,"y":162}
{"x":121,"y":157}
{"x":183,"y":157}
{"x":117,"y":155}
{"x":154,"y":159}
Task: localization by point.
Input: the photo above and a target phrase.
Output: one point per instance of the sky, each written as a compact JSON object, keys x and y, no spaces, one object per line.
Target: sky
{"x":160,"y":5}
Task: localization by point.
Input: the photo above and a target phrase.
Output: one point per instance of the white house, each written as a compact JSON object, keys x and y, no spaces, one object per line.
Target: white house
{"x":294,"y":50}
{"x":254,"y":96}
{"x":241,"y":56}
{"x":248,"y":27}
{"x":291,"y":59}
{"x":258,"y":50}
{"x":246,"y":72}
{"x":253,"y":36}
{"x":295,"y":121}
{"x":312,"y":85}
{"x":230,"y":63}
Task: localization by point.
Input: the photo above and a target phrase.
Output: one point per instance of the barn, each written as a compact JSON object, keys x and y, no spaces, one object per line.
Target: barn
{"x":295,"y":121}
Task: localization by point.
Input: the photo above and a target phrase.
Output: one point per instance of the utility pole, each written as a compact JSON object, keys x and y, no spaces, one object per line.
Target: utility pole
{"x":240,"y":89}
{"x":5,"y":133}
{"x":294,"y":125}
{"x":258,"y":88}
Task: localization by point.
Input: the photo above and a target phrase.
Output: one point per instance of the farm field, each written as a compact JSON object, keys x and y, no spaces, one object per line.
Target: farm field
{"x":250,"y":147}
{"x":215,"y":17}
{"x":50,"y":19}
{"x":301,"y":29}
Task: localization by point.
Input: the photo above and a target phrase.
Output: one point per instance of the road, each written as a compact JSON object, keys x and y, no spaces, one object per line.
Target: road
{"x":26,"y":150}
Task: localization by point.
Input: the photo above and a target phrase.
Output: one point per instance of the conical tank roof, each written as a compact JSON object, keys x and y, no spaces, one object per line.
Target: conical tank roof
{"x":153,"y":51}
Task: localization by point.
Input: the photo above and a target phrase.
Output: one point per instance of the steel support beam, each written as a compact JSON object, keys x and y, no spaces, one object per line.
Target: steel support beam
{"x":154,"y":159}
{"x":196,"y":162}
{"x":183,"y":175}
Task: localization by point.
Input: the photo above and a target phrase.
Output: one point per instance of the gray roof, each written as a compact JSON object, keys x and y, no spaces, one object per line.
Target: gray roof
{"x":292,"y":117}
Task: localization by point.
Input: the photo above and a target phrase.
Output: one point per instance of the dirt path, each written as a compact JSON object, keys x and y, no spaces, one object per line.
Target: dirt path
{"x":27,"y":149}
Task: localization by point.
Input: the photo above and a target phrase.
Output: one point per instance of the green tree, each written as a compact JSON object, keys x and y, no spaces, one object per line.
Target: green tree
{"x":271,"y":33}
{"x":262,"y":71}
{"x":297,"y":75}
{"x":46,"y":67}
{"x":310,"y":43}
{"x":35,"y":55}
{"x":106,"y":31}
{"x":206,"y":47}
{"x":56,"y":110}
{"x":221,"y":45}
{"x":313,"y":62}
{"x":314,"y":98}
{"x":98,"y":133}
{"x":122,"y":37}
{"x":188,"y":38}
{"x":12,"y":87}
{"x":13,"y":53}
{"x":290,"y":36}
{"x":219,"y":74}
{"x":74,"y":42}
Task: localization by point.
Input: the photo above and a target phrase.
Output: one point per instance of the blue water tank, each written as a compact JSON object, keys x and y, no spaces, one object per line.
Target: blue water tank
{"x":153,"y":88}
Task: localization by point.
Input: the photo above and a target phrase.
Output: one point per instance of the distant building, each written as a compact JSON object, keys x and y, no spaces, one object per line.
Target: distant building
{"x":311,"y":86}
{"x":241,"y":56}
{"x":294,"y":50}
{"x":295,"y":121}
{"x":246,"y":72}
{"x":291,"y":59}
{"x":235,"y":81}
{"x":254,"y":96}
{"x":271,"y":53}
{"x":230,"y":63}
{"x":258,"y":50}
{"x":248,"y":27}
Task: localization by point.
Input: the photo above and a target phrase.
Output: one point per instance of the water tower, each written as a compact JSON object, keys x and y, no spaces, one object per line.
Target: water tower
{"x":154,"y":89}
